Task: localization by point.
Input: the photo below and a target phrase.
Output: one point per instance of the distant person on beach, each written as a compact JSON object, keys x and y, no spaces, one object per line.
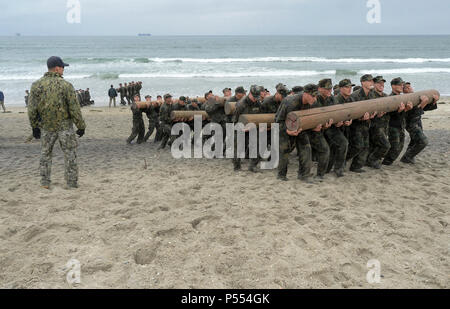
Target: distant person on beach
{"x":27,"y":95}
{"x":2,"y":101}
{"x":112,"y":93}
{"x":53,"y":107}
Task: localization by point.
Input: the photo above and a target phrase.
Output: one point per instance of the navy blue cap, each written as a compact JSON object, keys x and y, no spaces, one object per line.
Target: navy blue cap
{"x":54,"y":61}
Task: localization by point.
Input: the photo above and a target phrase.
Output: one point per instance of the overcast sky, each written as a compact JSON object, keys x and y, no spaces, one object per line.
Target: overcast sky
{"x":224,"y":17}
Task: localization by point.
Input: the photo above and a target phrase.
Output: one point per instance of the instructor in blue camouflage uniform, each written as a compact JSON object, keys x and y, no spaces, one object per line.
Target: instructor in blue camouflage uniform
{"x":53,"y":107}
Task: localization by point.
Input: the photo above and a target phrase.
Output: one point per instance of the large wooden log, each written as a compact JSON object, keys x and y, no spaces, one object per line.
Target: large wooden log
{"x":230,"y":107}
{"x":182,"y":116}
{"x":257,"y":119}
{"x":310,"y":119}
{"x":142,"y":105}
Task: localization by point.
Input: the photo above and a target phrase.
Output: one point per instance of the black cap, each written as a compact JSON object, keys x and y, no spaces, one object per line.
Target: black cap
{"x":379,"y":79}
{"x":256,"y":91}
{"x":283,"y":90}
{"x":311,"y":89}
{"x":226,"y":89}
{"x":208,"y":93}
{"x":397,"y":81}
{"x":346,"y":83}
{"x":240,"y":89}
{"x":366,"y":78}
{"x":326,"y":83}
{"x":54,"y":62}
{"x":297,"y":89}
{"x":168,"y":95}
{"x":183,"y":98}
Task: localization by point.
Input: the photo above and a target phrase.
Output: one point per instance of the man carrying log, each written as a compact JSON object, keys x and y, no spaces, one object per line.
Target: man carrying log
{"x":138,"y":129}
{"x":397,"y":124}
{"x":166,"y":121}
{"x":249,"y":104}
{"x":359,"y":130}
{"x":271,"y":104}
{"x":414,"y":126}
{"x":335,"y":137}
{"x":152,"y":113}
{"x":302,"y":139}
{"x":379,"y":127}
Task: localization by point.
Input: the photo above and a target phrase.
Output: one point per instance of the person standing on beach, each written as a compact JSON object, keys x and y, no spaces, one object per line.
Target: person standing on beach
{"x":53,"y":107}
{"x":122,"y":90}
{"x":2,"y":101}
{"x":27,"y":95}
{"x":112,"y":93}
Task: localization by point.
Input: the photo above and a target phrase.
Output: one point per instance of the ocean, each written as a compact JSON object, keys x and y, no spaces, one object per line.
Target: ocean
{"x":193,"y":65}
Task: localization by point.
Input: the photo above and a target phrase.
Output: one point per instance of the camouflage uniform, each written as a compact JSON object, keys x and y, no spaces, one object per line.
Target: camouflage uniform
{"x":216,"y":113}
{"x":270,"y":105}
{"x":129,"y":93}
{"x":414,"y":127}
{"x":379,"y":141}
{"x":359,"y":139}
{"x":123,"y":93}
{"x":304,"y":142}
{"x":243,"y":107}
{"x":166,"y":123}
{"x":138,"y":125}
{"x":397,"y":124}
{"x":336,"y":139}
{"x":153,"y":120}
{"x":53,"y":107}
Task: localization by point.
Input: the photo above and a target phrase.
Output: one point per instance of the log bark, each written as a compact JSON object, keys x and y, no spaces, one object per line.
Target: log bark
{"x":181,"y":116}
{"x":310,"y":119}
{"x":230,"y":107}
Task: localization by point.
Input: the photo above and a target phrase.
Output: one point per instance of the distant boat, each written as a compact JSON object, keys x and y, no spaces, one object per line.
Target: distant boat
{"x":18,"y":34}
{"x":144,"y":34}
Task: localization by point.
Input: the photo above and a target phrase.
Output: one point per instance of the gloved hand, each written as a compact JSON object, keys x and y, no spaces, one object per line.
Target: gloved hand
{"x":37,"y":133}
{"x":80,"y":132}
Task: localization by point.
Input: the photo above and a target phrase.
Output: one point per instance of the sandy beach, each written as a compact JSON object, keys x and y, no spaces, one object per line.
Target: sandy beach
{"x":142,"y":219}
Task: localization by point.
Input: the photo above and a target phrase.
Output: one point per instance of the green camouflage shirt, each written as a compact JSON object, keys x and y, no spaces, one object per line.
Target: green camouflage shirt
{"x":53,"y":101}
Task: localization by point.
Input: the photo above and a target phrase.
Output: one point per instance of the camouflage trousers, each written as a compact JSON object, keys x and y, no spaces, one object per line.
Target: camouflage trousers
{"x":418,"y":140}
{"x":305,"y":142}
{"x":358,"y":149}
{"x":3,"y":105}
{"x":237,"y":161}
{"x":338,"y":148}
{"x":137,"y":131}
{"x":152,"y":125}
{"x":68,"y":144}
{"x":379,"y":145}
{"x":397,"y":140}
{"x":166,"y":132}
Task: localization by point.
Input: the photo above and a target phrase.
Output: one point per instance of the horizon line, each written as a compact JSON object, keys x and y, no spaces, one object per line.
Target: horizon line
{"x":206,"y":35}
